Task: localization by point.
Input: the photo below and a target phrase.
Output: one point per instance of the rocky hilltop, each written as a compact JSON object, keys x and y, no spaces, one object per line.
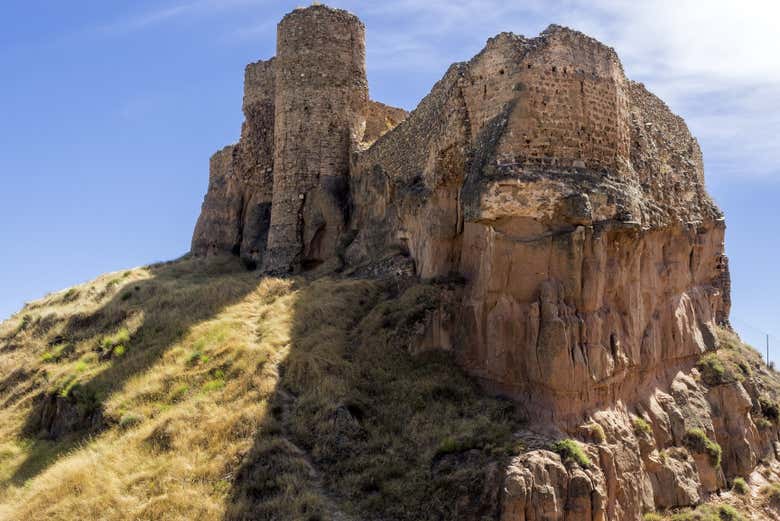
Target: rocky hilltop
{"x":511,"y":303}
{"x":568,"y":199}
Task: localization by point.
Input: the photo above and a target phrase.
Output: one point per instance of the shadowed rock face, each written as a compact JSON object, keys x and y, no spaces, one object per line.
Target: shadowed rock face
{"x":569,"y":199}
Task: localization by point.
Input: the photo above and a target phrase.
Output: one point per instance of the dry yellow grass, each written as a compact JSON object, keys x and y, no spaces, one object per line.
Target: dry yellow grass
{"x":222,"y":395}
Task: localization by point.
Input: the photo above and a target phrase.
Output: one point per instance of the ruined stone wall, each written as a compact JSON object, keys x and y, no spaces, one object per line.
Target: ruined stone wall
{"x":237,"y":208}
{"x":406,"y":187}
{"x":321,"y":95}
{"x":570,"y":99}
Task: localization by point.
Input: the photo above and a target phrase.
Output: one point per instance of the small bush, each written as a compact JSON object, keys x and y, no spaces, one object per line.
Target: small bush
{"x":197,"y":357}
{"x":213,"y":385}
{"x":728,"y":513}
{"x":642,"y":427}
{"x":697,"y":442}
{"x":596,"y":432}
{"x":115,"y":344}
{"x":652,"y":516}
{"x":130,"y":419}
{"x":763,"y":424}
{"x":569,"y":449}
{"x":57,"y":353}
{"x":713,"y":370}
{"x":740,"y":486}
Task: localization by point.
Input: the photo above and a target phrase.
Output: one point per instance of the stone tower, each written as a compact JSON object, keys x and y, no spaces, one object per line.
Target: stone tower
{"x":321,"y":94}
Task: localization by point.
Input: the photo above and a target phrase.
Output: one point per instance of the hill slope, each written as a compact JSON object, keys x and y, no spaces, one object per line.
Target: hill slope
{"x":197,"y":390}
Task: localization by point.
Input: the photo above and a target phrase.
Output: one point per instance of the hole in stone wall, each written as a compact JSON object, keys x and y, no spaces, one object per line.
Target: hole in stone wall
{"x":555,"y":69}
{"x":501,"y":72}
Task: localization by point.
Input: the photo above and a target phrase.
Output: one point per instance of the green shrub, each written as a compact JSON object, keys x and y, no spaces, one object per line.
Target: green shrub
{"x":713,"y":370}
{"x":652,"y":516}
{"x":740,"y":486}
{"x":57,"y":353}
{"x":642,"y":427}
{"x":728,"y":513}
{"x":571,"y":449}
{"x":763,"y":424}
{"x":595,"y":431}
{"x":697,"y":442}
{"x":130,"y":419}
{"x":115,"y":344}
{"x":213,"y":385}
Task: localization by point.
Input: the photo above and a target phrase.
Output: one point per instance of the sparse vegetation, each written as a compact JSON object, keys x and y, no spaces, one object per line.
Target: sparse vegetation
{"x":302,"y":392}
{"x":58,"y":352}
{"x":740,"y":486}
{"x":642,"y":427}
{"x":130,"y":419}
{"x":569,"y":449}
{"x":595,"y":432}
{"x":714,"y":371}
{"x":771,"y":495}
{"x":707,"y":513}
{"x":697,"y":442}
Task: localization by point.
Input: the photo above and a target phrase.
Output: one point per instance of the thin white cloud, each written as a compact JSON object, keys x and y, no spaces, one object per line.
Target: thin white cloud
{"x":139,"y":21}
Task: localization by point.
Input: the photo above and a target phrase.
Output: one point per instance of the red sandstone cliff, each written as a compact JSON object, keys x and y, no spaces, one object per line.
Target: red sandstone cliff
{"x":569,"y":199}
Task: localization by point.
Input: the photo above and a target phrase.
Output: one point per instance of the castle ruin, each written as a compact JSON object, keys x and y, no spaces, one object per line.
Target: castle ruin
{"x":568,"y":199}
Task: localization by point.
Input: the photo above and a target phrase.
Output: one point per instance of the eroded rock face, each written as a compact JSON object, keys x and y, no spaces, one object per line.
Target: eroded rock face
{"x":571,"y":204}
{"x":236,"y":212}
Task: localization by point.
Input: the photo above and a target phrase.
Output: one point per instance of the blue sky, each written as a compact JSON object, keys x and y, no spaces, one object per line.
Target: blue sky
{"x":109,"y":112}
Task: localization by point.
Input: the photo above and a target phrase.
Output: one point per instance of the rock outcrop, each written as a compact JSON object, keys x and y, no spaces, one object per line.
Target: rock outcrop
{"x":569,"y":200}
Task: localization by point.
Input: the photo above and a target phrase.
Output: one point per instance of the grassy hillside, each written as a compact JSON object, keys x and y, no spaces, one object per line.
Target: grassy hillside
{"x":197,"y":390}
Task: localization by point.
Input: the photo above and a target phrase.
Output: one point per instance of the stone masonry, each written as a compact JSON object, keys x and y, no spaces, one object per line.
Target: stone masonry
{"x":321,"y":99}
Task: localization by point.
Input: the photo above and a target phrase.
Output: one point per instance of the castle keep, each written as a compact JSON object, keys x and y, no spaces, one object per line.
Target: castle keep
{"x":569,"y":200}
{"x":279,"y":198}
